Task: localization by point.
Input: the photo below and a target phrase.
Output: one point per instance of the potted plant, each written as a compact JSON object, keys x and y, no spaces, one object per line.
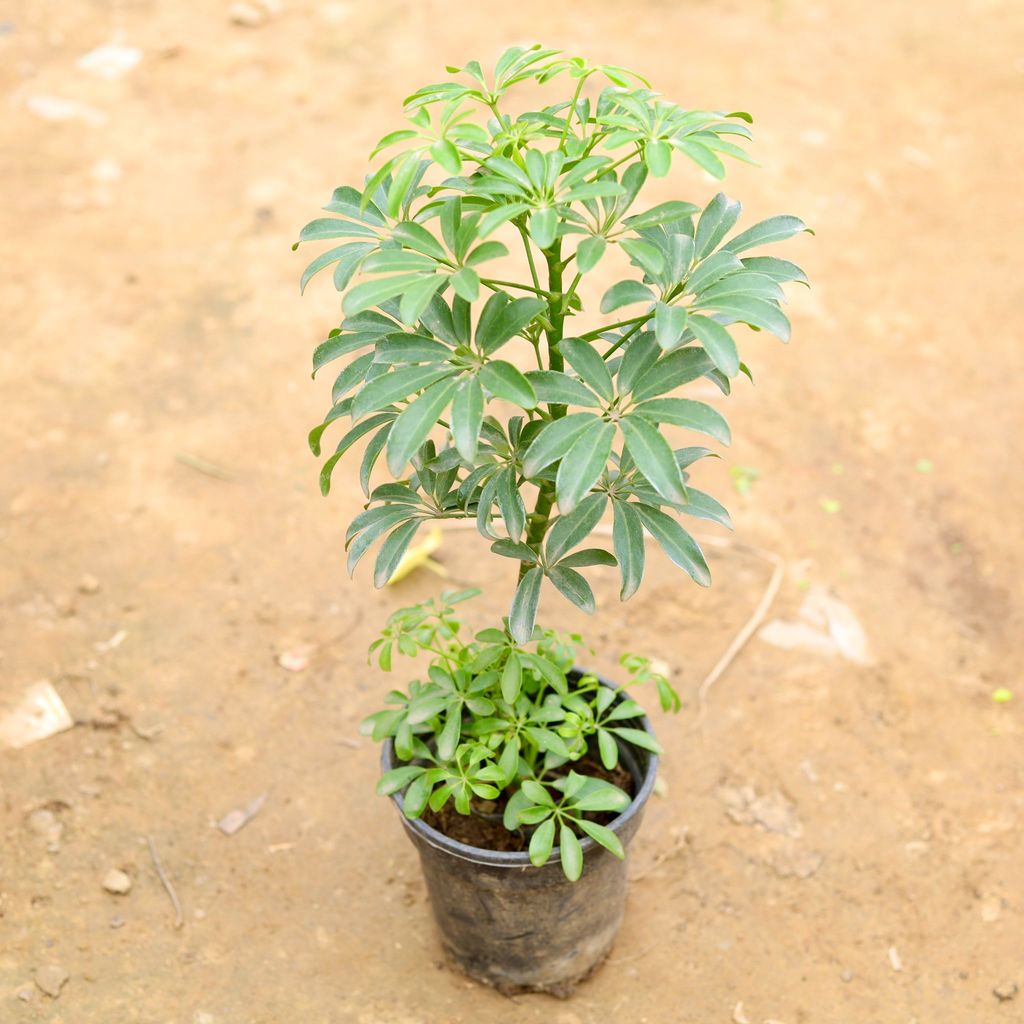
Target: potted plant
{"x":461,"y":262}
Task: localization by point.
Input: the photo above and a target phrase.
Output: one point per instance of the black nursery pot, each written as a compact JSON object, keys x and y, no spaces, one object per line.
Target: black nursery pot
{"x":521,"y":928}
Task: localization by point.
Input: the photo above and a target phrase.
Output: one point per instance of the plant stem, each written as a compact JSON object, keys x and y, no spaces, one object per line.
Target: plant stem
{"x":541,"y":515}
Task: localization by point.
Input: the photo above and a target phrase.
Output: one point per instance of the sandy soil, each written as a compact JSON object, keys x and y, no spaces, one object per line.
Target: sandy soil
{"x":151,"y":317}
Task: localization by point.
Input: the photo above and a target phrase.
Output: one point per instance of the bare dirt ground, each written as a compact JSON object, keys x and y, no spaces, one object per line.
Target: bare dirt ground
{"x":871,"y":874}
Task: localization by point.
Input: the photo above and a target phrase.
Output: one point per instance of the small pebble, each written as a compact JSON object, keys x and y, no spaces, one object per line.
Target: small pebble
{"x":117,"y":921}
{"x":117,"y":882}
{"x":51,"y":979}
{"x":25,"y":994}
{"x":1005,"y":991}
{"x":847,"y":976}
{"x":88,"y":584}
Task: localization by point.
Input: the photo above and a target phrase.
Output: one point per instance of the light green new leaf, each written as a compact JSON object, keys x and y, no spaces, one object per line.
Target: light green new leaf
{"x":653,"y":457}
{"x":756,"y":312}
{"x":445,"y":153}
{"x":541,"y":843}
{"x":415,"y":236}
{"x":415,"y":422}
{"x":589,"y":253}
{"x":625,"y":293}
{"x":604,"y":836}
{"x":544,"y":226}
{"x":511,"y":678}
{"x":658,"y":157}
{"x":570,"y":851}
{"x":466,"y":283}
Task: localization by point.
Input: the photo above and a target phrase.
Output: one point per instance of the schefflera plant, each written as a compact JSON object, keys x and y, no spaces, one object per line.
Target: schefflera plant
{"x":461,"y":263}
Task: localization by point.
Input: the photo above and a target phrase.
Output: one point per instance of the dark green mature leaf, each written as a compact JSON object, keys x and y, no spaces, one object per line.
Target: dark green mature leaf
{"x":504,"y":380}
{"x":385,"y":518}
{"x":514,"y":549}
{"x":653,"y":456}
{"x":570,"y":851}
{"x":588,"y":556}
{"x":572,"y":586}
{"x":774,"y":229}
{"x":524,"y":605}
{"x":467,"y":416}
{"x":628,"y":540}
{"x":507,"y":322}
{"x":557,"y":388}
{"x":582,"y":465}
{"x":391,"y":552}
{"x":396,"y":385}
{"x":510,"y":503}
{"x":341,"y":344}
{"x":415,"y":423}
{"x":672,"y":371}
{"x":676,"y":543}
{"x":641,"y":354}
{"x":703,"y":506}
{"x":554,"y":440}
{"x":395,"y":349}
{"x":573,"y":527}
{"x":625,"y":293}
{"x":685,"y":412}
{"x":585,"y":360}
{"x":717,"y":342}
{"x":756,"y":312}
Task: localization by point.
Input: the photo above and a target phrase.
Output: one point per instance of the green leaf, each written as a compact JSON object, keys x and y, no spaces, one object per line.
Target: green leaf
{"x":445,"y":153}
{"x":685,"y":412}
{"x":570,"y":851}
{"x":628,"y":541}
{"x":701,"y":156}
{"x":331,"y":227}
{"x":537,"y":793}
{"x":712,"y":269}
{"x":415,"y":422}
{"x":639,"y":738}
{"x":541,"y":843}
{"x":680,"y":547}
{"x":510,"y":503}
{"x":608,"y":748}
{"x":776,"y":269}
{"x":625,"y":293}
{"x":395,"y":349}
{"x":523,"y":614}
{"x":514,"y":549}
{"x":672,"y":371}
{"x":589,"y":253}
{"x":449,"y":738}
{"x":573,"y":527}
{"x":554,"y":440}
{"x":352,"y":254}
{"x":492,"y":332}
{"x":416,"y":796}
{"x":398,"y":778}
{"x":756,"y":312}
{"x":349,"y":263}
{"x":486,"y":251}
{"x":603,"y":836}
{"x":373,"y":293}
{"x":585,"y":360}
{"x":466,"y":283}
{"x":543,"y":227}
{"x":556,"y":388}
{"x":588,"y":556}
{"x":505,"y":381}
{"x":644,"y":255}
{"x":603,"y":796}
{"x":658,"y":157}
{"x":669,"y":324}
{"x":391,"y":552}
{"x":467,"y":416}
{"x":417,"y":296}
{"x":715,"y":222}
{"x":511,"y":678}
{"x":717,"y":342}
{"x":582,"y":465}
{"x":415,"y":236}
{"x":653,"y":457}
{"x":663,"y":213}
{"x":572,"y":586}
{"x":774,"y":229}
{"x":396,"y":385}
{"x":641,"y":354}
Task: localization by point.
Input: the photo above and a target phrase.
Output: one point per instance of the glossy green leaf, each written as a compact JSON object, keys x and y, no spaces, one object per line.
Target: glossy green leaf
{"x":544,"y":226}
{"x":653,"y":456}
{"x":582,"y":465}
{"x":588,"y":556}
{"x":466,"y":283}
{"x":715,"y":223}
{"x":556,"y":388}
{"x":756,"y":312}
{"x":570,"y":529}
{"x":570,"y":852}
{"x":685,"y":412}
{"x":541,"y":843}
{"x":523,"y":614}
{"x":509,"y":321}
{"x":572,"y":586}
{"x":391,"y":552}
{"x":658,"y":157}
{"x":587,"y":362}
{"x":669,"y":325}
{"x":604,"y":836}
{"x":628,"y":541}
{"x":467,"y":416}
{"x":554,"y":440}
{"x":416,"y":297}
{"x":511,"y":678}
{"x":589,"y":253}
{"x":680,"y":547}
{"x":774,"y":229}
{"x":372,"y":293}
{"x":505,"y":381}
{"x":396,"y":385}
{"x":415,"y":422}
{"x":625,"y":293}
{"x":717,"y":342}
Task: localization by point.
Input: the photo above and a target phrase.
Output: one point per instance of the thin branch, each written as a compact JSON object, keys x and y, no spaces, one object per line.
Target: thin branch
{"x":179,"y":918}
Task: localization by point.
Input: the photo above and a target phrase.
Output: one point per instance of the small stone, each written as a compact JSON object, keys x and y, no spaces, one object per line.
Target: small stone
{"x":991,"y":910}
{"x":117,"y":882}
{"x":1005,"y":991}
{"x":117,"y":921}
{"x":51,"y":979}
{"x":846,"y":976}
{"x":88,"y":584}
{"x":24,"y":993}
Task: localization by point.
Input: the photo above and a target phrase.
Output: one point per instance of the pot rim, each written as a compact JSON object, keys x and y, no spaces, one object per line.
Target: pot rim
{"x":514,"y":859}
